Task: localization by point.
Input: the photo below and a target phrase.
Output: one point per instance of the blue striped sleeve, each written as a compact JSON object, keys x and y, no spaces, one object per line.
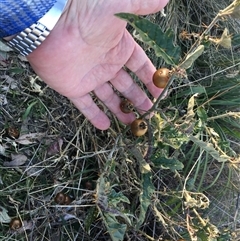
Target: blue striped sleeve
{"x":16,"y":15}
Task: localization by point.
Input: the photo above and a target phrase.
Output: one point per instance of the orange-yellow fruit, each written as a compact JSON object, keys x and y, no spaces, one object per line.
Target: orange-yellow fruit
{"x":126,"y":106}
{"x":139,"y":127}
{"x":68,"y":200}
{"x":15,"y":224}
{"x":60,"y":198}
{"x":13,"y":132}
{"x":161,"y":77}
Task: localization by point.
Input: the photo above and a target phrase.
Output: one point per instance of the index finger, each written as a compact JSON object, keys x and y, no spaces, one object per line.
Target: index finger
{"x":141,"y":65}
{"x":91,"y":111}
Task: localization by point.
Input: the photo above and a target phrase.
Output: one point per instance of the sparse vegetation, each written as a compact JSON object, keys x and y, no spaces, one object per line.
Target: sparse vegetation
{"x":62,"y":179}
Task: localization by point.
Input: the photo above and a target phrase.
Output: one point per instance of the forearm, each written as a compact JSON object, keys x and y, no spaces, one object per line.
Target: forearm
{"x":17,"y":15}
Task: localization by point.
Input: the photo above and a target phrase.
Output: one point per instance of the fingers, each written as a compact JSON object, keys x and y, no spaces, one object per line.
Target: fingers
{"x":92,"y":112}
{"x":106,"y":94}
{"x":140,"y":64}
{"x":128,"y":88}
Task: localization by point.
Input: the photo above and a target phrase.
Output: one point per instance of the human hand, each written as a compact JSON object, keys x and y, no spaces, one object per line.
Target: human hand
{"x":85,"y":53}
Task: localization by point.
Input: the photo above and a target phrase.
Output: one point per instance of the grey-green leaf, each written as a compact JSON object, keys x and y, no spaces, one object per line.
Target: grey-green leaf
{"x":208,"y":147}
{"x":145,"y":197}
{"x":190,"y":58}
{"x":4,"y":218}
{"x":115,"y":229}
{"x":151,"y":34}
{"x":166,"y":163}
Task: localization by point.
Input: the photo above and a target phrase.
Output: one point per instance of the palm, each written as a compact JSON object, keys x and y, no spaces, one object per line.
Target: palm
{"x":87,"y":55}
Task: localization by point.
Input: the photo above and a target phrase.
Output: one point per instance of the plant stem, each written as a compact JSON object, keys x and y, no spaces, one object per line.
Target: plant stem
{"x":161,"y":96}
{"x":205,"y":32}
{"x":234,"y":114}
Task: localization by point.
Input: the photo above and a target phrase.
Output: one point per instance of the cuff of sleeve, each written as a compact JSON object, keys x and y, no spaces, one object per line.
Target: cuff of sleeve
{"x":32,"y":37}
{"x":16,"y":16}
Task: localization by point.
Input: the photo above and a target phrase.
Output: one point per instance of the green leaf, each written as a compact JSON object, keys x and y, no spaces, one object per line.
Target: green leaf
{"x":226,"y":235}
{"x":191,"y":91}
{"x":151,"y":34}
{"x":202,"y":114}
{"x":166,"y":163}
{"x":90,"y":218}
{"x":208,"y":147}
{"x":174,"y":137}
{"x":16,"y":70}
{"x":29,"y":108}
{"x":117,"y":197}
{"x":236,"y":39}
{"x":106,"y":200}
{"x":115,"y":229}
{"x":234,"y":132}
{"x":4,"y":218}
{"x":145,"y":197}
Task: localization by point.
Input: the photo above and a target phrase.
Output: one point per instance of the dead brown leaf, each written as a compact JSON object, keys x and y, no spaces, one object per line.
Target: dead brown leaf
{"x":55,"y":147}
{"x":17,"y":160}
{"x":30,"y":138}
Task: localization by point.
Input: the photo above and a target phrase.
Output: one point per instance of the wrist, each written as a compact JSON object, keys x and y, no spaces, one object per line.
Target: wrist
{"x":29,"y":39}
